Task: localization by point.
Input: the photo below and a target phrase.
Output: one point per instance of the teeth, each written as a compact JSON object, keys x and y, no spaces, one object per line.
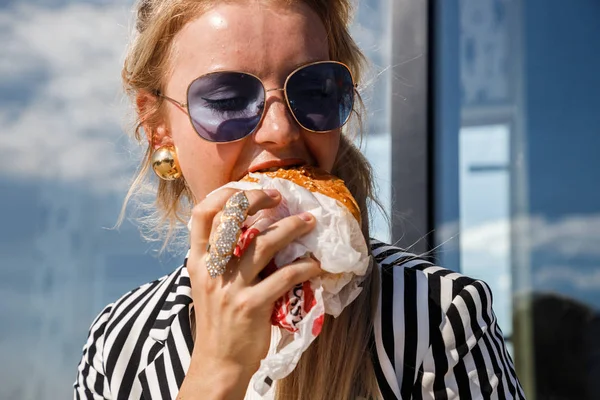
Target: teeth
{"x":273,"y":169}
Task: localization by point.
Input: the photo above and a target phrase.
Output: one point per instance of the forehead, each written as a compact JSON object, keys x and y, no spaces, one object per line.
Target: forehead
{"x":268,"y":41}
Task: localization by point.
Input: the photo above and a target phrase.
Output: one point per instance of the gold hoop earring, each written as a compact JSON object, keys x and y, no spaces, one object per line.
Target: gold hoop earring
{"x":165,"y":163}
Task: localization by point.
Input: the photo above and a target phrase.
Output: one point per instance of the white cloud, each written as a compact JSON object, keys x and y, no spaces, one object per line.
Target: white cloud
{"x":486,"y":254}
{"x":561,"y":275}
{"x":69,"y":60}
{"x":69,"y":127}
{"x":575,"y":235}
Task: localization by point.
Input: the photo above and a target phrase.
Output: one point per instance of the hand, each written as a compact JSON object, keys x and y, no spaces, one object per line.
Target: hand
{"x":233,"y":311}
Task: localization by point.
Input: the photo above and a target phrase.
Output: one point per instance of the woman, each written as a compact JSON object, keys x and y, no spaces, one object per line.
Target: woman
{"x":416,"y":330}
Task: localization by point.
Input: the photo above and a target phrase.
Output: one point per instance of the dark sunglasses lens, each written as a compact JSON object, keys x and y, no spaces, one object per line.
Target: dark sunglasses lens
{"x":321,"y":96}
{"x":225,"y":106}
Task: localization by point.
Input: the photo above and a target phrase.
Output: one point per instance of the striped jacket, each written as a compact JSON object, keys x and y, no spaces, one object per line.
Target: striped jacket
{"x":435,"y":337}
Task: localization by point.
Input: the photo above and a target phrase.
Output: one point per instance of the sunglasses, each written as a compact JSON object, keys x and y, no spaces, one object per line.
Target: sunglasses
{"x":227,"y":106}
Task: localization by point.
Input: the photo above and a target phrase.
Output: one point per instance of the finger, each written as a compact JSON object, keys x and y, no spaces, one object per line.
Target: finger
{"x":204,"y":215}
{"x":270,"y":241}
{"x":257,"y":200}
{"x":283,"y":280}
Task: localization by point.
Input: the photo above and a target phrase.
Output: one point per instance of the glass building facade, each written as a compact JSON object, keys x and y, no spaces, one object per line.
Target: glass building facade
{"x":483,"y":129}
{"x":496,"y":121}
{"x":515,"y":195}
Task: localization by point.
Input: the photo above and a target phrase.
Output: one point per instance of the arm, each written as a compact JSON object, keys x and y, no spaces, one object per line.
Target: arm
{"x":91,"y":383}
{"x":233,"y":310}
{"x":215,"y":380}
{"x":478,"y":364}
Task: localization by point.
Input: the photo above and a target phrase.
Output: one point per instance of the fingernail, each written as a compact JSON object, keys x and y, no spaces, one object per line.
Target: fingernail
{"x":306,"y":216}
{"x":272,"y":192}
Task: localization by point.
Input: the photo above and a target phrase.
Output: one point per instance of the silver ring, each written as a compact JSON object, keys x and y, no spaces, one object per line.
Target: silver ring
{"x":227,"y":234}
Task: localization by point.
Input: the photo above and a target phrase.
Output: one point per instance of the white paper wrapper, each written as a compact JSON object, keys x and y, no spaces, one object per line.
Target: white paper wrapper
{"x":337,"y":242}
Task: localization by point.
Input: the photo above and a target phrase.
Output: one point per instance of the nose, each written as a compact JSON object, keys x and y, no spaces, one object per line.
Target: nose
{"x":278,"y":127}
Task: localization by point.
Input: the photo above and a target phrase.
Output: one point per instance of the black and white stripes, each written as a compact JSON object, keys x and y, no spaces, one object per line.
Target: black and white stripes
{"x":435,"y":337}
{"x":436,"y":333}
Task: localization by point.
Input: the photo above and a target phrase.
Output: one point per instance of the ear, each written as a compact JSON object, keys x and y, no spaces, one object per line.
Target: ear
{"x":155,"y":127}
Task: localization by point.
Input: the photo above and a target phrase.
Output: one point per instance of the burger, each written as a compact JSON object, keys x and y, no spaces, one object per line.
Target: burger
{"x":316,"y":180}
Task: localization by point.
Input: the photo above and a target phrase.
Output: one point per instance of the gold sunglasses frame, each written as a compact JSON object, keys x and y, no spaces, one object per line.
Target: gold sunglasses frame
{"x":185,"y":106}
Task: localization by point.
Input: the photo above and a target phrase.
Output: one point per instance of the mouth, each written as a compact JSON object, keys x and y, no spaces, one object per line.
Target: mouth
{"x":274,"y":165}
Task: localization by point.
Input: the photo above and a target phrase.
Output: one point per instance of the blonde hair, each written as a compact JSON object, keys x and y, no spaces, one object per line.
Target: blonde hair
{"x":338,"y":364}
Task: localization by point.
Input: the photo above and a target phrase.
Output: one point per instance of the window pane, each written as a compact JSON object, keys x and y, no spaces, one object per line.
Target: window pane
{"x":516,"y":172}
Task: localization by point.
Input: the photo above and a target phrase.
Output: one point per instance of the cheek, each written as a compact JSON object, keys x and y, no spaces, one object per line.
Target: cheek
{"x":324,"y":147}
{"x":205,"y":165}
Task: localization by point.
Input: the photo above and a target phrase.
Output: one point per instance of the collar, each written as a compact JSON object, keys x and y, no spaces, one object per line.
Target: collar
{"x":178,"y":299}
{"x":172,"y":340}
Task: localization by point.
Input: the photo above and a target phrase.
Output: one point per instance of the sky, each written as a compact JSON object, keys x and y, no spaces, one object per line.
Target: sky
{"x":67,"y":162}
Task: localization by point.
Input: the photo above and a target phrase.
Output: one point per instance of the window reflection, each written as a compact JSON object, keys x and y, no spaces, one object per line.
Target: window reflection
{"x":528,"y":206}
{"x":566,"y":347}
{"x":485,"y":212}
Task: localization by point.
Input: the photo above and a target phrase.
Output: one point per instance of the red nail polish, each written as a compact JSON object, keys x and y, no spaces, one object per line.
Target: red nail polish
{"x":306,"y":216}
